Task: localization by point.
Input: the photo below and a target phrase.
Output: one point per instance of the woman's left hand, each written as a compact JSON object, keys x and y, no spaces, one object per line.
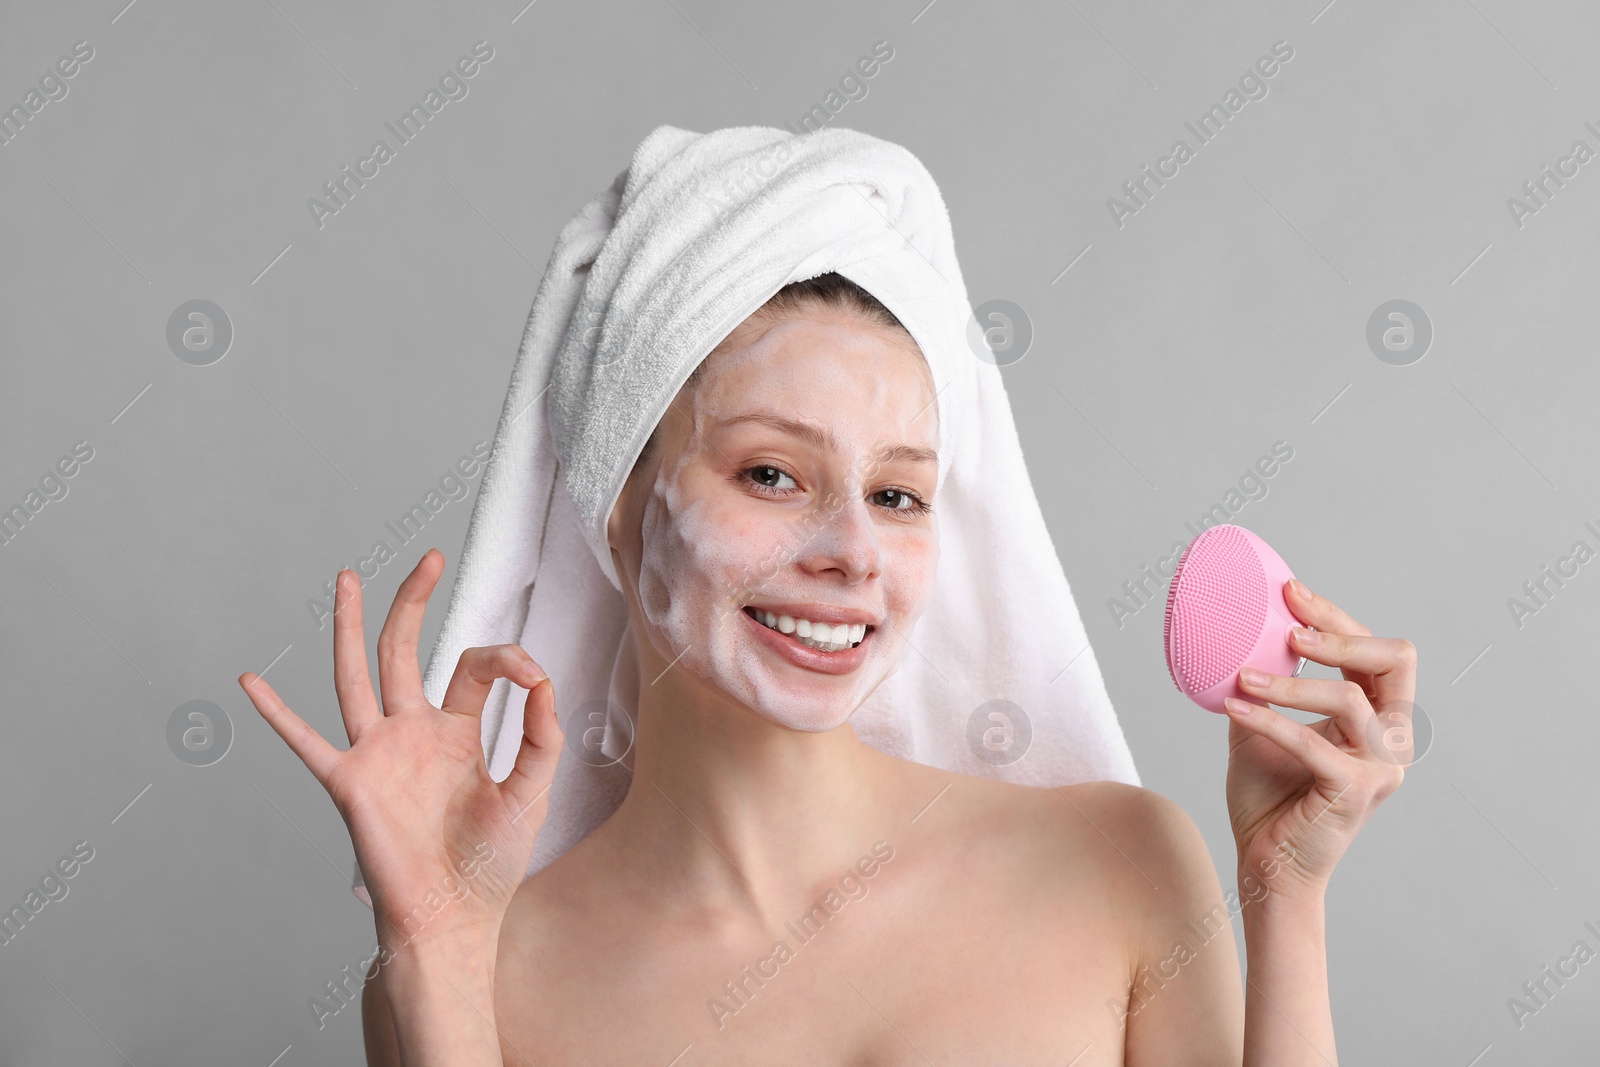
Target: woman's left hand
{"x":1298,"y":793}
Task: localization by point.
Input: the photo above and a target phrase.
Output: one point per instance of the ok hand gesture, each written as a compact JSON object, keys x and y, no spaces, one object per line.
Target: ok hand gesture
{"x":423,"y":813}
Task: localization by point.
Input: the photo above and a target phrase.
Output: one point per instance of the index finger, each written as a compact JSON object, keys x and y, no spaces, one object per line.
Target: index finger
{"x":477,"y":670}
{"x":1319,"y":611}
{"x":399,"y":676}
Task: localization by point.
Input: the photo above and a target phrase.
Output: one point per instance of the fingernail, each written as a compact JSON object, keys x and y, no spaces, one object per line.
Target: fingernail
{"x":1236,"y":707}
{"x":1307,"y":637}
{"x":1253,"y":677}
{"x":1300,"y":589}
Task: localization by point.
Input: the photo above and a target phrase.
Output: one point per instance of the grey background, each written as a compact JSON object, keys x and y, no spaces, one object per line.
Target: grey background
{"x":1229,"y":313}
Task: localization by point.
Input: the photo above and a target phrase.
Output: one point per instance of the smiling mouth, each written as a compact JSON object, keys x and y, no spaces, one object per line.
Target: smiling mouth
{"x":823,"y":637}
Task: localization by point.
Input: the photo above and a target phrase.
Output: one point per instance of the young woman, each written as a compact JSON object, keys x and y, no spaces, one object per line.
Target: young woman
{"x":772,"y":889}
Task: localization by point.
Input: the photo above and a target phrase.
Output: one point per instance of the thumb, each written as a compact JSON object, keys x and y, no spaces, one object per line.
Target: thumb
{"x":527,"y":787}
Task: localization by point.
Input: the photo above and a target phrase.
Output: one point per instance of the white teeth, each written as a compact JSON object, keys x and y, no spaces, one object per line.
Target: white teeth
{"x":825,"y":646}
{"x":834,"y":637}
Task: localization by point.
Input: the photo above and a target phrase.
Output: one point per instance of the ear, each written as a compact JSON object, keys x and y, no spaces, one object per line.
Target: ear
{"x":622,"y":512}
{"x":615,"y":524}
{"x":623,"y":505}
{"x":614,"y":520}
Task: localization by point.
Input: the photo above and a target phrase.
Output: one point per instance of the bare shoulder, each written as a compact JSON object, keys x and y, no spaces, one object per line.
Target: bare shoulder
{"x":1123,"y":843}
{"x":1156,"y":840}
{"x":1146,"y":820}
{"x":1116,"y":870}
{"x":1168,"y":910}
{"x":1135,"y":816}
{"x":1119,"y":834}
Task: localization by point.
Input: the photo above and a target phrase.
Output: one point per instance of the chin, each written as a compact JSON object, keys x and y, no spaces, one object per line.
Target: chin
{"x":809,"y":719}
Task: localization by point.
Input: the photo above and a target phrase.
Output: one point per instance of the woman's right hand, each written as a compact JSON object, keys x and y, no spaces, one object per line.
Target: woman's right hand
{"x":425,"y":818}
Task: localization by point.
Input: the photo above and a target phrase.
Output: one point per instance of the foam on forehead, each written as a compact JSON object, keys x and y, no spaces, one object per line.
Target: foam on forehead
{"x":755,"y":340}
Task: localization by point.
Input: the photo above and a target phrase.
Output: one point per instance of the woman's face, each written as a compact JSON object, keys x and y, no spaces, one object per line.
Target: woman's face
{"x":789,"y":479}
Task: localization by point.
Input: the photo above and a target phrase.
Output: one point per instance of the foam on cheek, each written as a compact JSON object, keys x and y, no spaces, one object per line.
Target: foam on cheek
{"x":681,"y":555}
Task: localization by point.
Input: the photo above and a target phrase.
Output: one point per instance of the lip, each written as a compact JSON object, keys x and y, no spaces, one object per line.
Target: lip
{"x":842,"y":662}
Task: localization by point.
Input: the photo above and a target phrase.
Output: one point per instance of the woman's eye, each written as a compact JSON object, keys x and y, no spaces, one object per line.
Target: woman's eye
{"x":761,"y":475}
{"x":900,"y":500}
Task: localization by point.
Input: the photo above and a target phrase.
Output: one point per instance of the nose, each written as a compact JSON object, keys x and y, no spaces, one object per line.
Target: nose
{"x":841,"y":537}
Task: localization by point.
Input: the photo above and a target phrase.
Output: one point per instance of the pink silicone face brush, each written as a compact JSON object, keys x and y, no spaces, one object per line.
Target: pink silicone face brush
{"x":1225,"y":610}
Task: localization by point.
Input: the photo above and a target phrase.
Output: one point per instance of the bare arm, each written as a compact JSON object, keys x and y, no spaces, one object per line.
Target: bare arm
{"x":445,"y":995}
{"x":1288,"y":1020}
{"x":444,"y":989}
{"x":377,"y":1022}
{"x":1184,"y":1004}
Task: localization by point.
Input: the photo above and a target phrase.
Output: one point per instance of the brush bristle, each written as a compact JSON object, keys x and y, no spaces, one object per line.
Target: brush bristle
{"x":1216,"y":608}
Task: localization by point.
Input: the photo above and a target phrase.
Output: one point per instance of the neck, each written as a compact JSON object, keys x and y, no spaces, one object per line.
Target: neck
{"x":731,"y":812}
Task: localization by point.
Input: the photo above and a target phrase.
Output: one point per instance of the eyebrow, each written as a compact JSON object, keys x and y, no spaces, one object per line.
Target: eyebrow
{"x":824,"y":439}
